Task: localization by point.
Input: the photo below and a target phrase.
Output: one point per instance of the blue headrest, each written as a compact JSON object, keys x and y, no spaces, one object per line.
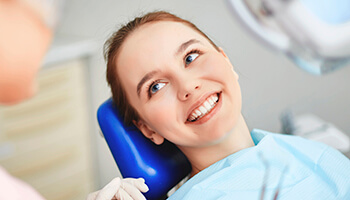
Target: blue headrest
{"x":162,"y":166}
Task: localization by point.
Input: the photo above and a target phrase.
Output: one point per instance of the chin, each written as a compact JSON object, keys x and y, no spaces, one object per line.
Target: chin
{"x":13,"y":96}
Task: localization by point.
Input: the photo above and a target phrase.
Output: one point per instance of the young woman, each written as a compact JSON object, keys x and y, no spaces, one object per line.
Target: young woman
{"x":174,"y":83}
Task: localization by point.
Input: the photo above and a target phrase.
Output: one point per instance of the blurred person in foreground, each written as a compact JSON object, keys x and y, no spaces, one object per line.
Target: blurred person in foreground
{"x":26,"y":31}
{"x":25,"y":35}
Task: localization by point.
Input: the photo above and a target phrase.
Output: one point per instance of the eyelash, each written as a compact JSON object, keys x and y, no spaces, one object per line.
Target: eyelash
{"x":158,"y":81}
{"x":191,"y":52}
{"x":149,"y":86}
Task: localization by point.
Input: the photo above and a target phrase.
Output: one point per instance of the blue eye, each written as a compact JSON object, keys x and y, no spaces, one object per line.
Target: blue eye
{"x":191,"y":57}
{"x":156,"y":87}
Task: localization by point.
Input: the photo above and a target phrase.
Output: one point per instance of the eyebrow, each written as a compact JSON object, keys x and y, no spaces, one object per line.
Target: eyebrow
{"x":145,"y":78}
{"x":149,"y":75}
{"x":184,"y":45}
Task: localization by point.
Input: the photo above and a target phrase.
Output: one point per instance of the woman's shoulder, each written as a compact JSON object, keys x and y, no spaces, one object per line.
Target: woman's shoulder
{"x":297,"y":145}
{"x":301,"y":156}
{"x":13,"y":188}
{"x":259,"y":135}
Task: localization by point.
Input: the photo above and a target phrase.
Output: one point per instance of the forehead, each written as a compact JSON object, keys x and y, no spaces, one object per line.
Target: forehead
{"x":152,"y":45}
{"x":161,"y":34}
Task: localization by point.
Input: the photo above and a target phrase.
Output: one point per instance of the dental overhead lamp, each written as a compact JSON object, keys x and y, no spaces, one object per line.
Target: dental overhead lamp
{"x":314,"y":34}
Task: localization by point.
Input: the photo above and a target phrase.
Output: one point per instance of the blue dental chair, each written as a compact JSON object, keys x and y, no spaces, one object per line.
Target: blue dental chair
{"x":162,"y":166}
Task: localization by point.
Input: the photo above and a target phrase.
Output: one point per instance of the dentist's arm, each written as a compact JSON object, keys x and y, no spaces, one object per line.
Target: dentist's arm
{"x":121,"y":189}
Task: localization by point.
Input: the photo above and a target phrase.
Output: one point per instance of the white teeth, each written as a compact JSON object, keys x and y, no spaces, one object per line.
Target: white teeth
{"x":207,"y":105}
{"x":215,"y":98}
{"x":202,"y":110}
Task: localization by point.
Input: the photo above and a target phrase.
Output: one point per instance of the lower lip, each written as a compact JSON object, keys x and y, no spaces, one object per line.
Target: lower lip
{"x":210,"y":114}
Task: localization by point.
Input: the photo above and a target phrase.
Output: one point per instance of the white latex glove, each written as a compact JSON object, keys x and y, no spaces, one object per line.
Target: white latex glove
{"x":121,"y":189}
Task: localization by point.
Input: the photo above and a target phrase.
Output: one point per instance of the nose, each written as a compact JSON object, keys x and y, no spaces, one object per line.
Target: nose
{"x":187,"y":89}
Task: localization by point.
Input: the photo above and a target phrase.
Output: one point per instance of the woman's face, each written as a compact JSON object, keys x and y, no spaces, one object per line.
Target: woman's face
{"x":182,"y":87}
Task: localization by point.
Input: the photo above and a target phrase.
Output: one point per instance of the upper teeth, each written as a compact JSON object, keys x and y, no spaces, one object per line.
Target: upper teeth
{"x":203,"y":109}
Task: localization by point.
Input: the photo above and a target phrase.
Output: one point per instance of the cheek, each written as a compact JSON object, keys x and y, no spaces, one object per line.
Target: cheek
{"x":162,"y":114}
{"x":220,"y":70}
{"x":217,"y":67}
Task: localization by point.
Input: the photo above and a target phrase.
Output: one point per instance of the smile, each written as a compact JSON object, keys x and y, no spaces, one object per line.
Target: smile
{"x":204,"y":109}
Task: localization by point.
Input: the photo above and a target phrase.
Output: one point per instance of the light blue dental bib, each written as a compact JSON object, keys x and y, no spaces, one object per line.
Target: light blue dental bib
{"x":314,"y":171}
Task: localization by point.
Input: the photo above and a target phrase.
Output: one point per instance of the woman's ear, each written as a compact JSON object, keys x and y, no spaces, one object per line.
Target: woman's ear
{"x":148,"y":132}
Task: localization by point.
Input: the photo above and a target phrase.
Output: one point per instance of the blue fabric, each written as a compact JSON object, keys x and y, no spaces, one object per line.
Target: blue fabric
{"x":314,"y":171}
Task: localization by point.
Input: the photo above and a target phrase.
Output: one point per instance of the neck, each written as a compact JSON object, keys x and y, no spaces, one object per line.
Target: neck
{"x":202,"y":157}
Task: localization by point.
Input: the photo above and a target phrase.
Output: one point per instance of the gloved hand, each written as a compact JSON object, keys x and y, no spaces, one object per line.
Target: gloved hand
{"x":121,"y":189}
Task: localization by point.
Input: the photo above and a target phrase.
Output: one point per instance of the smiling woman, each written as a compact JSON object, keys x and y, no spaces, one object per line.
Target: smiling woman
{"x":183,"y":88}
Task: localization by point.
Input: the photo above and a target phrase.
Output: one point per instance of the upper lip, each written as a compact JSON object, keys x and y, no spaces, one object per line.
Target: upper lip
{"x":199,"y":102}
